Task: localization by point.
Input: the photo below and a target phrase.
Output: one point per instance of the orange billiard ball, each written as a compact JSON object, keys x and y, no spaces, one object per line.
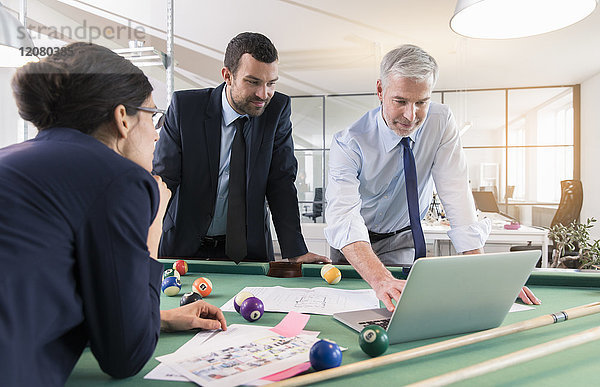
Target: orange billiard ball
{"x":202,"y":286}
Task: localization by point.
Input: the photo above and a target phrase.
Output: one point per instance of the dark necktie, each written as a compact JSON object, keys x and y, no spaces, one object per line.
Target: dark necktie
{"x":235,"y":240}
{"x":412,"y":196}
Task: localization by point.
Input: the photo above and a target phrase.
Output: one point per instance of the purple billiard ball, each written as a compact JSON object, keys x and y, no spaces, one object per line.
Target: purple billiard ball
{"x":325,"y":354}
{"x":239,"y":298}
{"x":189,"y":297}
{"x":252,"y":308}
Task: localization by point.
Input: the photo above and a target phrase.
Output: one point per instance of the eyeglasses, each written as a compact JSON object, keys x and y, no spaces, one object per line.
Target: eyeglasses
{"x":158,"y":117}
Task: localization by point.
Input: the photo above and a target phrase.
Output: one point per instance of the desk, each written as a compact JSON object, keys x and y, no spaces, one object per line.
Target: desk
{"x":316,"y":242}
{"x":558,"y":290}
{"x":436,"y":233}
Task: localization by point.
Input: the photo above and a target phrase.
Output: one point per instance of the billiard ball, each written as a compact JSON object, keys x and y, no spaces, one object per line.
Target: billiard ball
{"x":189,"y":297}
{"x":171,"y":286}
{"x":373,"y":340}
{"x":252,"y":309}
{"x":171,"y":273}
{"x":331,"y":274}
{"x":181,"y":266}
{"x":241,"y":296}
{"x":325,"y":354}
{"x":202,"y":286}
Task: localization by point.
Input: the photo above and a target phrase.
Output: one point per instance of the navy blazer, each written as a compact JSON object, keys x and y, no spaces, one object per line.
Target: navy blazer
{"x":73,"y":244}
{"x":187,"y":159}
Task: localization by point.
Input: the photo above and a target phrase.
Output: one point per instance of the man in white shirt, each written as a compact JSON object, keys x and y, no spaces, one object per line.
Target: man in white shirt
{"x":380,"y":177}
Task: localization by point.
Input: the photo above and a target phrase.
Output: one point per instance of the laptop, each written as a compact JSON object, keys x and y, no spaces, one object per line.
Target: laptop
{"x":485,"y":201}
{"x":451,"y":295}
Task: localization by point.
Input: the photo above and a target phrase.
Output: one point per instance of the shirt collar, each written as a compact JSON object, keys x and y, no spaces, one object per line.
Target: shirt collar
{"x":229,"y":114}
{"x":389,"y":137}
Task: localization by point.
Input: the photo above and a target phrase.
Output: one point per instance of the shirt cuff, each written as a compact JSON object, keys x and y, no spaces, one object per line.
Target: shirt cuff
{"x":348,"y":231}
{"x":470,"y":237}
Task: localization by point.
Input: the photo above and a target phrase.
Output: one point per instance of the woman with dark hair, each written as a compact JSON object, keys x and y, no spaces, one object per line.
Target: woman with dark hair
{"x":81,"y":221}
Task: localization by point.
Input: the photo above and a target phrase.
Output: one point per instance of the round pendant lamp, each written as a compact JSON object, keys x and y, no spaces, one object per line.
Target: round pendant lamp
{"x":506,"y":19}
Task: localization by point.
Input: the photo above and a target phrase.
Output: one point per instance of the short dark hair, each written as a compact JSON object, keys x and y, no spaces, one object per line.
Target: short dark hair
{"x":255,"y":44}
{"x":78,"y":88}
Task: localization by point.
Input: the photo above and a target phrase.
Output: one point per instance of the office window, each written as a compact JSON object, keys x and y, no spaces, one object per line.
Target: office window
{"x":520,"y":143}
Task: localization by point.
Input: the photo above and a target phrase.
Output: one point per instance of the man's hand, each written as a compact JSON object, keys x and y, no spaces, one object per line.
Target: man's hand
{"x":199,"y":314}
{"x":476,"y":251}
{"x":388,"y":290}
{"x":310,"y":258}
{"x":528,"y":297}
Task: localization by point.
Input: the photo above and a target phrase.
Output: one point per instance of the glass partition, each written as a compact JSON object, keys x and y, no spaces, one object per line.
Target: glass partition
{"x":341,"y":111}
{"x":480,"y":116}
{"x":307,"y":122}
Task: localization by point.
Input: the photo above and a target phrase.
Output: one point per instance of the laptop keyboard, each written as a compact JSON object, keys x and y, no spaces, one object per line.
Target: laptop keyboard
{"x":382,"y":323}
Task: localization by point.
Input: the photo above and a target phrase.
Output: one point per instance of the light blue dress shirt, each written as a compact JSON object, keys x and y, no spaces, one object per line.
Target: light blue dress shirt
{"x":218,"y":226}
{"x":366,"y":188}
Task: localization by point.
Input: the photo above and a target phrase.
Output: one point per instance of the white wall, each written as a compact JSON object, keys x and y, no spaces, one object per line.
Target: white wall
{"x":590,"y":157}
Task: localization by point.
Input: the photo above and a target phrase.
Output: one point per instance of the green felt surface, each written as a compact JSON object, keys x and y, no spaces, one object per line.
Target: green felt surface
{"x":578,"y":366}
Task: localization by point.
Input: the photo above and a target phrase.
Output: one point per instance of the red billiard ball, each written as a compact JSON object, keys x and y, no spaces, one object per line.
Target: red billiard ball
{"x":181,"y":266}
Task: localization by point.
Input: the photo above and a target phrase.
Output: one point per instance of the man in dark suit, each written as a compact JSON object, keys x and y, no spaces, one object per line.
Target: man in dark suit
{"x":221,"y":152}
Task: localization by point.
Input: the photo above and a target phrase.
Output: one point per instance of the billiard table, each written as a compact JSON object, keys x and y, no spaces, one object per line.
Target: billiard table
{"x":558,"y":289}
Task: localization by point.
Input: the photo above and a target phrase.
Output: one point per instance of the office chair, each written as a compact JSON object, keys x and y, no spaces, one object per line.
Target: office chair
{"x":569,"y":208}
{"x":571,"y":200}
{"x":317,"y":207}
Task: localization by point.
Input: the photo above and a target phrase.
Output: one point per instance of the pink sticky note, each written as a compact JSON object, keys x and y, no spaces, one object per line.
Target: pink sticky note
{"x":291,"y":325}
{"x":295,"y":370}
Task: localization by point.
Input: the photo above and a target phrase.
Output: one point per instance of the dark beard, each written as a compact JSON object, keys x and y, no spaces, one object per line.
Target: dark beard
{"x":246,"y":107}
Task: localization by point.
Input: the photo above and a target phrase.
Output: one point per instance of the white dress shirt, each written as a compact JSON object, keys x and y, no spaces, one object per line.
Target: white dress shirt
{"x":366,"y":188}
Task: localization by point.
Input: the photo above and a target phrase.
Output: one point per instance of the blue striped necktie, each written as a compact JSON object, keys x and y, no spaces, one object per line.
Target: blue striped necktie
{"x":412,"y":196}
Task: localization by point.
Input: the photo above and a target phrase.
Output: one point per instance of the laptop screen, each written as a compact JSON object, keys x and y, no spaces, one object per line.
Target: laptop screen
{"x":485,"y":201}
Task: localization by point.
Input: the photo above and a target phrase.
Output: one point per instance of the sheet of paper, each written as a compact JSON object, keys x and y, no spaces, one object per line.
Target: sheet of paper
{"x":321,"y":300}
{"x":164,"y":372}
{"x":293,"y":323}
{"x":519,"y":307}
{"x":257,"y":354}
{"x":288,"y":373}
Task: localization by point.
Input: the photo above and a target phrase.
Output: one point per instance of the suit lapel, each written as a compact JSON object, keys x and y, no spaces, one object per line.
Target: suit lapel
{"x":212,"y":131}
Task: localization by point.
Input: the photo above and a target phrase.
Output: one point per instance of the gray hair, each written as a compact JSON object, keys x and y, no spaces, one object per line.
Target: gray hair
{"x":408,"y":61}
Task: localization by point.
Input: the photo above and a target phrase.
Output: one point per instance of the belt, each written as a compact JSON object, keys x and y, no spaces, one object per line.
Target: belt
{"x":376,"y":237}
{"x":213,"y":241}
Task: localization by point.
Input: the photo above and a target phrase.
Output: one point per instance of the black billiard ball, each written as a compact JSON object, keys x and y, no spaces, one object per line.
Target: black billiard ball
{"x":188,"y":298}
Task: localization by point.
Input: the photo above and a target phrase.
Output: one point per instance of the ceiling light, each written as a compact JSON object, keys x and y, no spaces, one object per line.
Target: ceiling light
{"x":505,"y":19}
{"x":15,"y":42}
{"x":143,"y":56}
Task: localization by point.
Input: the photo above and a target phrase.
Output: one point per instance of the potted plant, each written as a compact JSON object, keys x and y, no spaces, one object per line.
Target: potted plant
{"x":585,"y":253}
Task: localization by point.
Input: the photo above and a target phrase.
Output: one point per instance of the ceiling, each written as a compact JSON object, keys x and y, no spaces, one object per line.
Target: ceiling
{"x":333,"y":46}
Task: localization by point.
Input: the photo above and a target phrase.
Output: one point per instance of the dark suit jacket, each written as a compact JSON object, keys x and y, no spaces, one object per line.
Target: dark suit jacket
{"x":187,"y":158}
{"x":74,"y":225}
